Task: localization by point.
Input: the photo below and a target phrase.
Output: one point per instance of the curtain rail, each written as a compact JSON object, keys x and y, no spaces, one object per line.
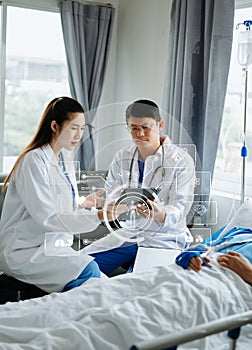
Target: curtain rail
{"x":49,"y":5}
{"x":94,"y":3}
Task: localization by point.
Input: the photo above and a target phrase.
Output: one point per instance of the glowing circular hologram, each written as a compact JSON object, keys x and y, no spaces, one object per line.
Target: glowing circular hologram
{"x":128,"y":226}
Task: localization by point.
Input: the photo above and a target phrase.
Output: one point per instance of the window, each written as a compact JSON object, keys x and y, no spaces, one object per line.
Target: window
{"x":228,"y":167}
{"x":35,"y":73}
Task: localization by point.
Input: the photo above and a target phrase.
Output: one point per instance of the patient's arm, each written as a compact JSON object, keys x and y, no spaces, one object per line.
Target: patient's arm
{"x":196,"y":263}
{"x":237,"y":263}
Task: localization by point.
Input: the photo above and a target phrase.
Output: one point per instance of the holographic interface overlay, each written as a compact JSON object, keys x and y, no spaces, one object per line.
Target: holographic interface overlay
{"x":130,"y":226}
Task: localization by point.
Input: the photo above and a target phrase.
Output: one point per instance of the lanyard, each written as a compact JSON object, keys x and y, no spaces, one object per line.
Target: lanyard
{"x":154,"y":172}
{"x":62,"y":165}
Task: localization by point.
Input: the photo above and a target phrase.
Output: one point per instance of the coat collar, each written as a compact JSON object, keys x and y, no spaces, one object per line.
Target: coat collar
{"x":50,"y":155}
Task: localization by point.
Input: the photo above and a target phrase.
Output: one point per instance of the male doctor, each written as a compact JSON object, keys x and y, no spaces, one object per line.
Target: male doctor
{"x":155,"y":164}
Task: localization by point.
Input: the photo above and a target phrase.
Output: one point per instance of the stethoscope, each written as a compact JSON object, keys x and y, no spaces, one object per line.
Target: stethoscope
{"x":154,"y":172}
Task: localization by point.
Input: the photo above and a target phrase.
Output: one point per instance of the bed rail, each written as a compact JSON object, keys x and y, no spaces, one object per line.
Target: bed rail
{"x":231,"y":324}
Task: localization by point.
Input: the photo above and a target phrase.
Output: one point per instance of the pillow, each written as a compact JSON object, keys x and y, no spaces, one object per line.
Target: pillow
{"x":242,"y":218}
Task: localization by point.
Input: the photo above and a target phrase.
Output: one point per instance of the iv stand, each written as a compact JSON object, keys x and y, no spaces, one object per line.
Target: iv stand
{"x":244,"y":58}
{"x":244,"y":148}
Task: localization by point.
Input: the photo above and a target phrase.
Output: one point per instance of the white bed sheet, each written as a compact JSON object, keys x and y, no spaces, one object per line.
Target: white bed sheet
{"x":113,"y":314}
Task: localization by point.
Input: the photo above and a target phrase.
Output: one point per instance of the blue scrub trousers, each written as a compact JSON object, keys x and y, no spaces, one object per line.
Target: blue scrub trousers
{"x":110,"y":260}
{"x":91,"y":271}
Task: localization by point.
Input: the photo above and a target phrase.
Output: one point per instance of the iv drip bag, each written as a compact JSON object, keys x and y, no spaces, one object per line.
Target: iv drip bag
{"x":245,"y":45}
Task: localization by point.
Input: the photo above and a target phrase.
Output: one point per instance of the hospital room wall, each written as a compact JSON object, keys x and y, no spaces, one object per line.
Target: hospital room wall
{"x":136,"y":69}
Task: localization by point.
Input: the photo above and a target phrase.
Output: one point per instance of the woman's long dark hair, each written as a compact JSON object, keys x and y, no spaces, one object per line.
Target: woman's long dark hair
{"x":59,"y":109}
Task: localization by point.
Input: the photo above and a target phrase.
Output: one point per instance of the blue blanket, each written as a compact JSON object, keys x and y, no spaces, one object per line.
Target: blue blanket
{"x":238,"y":239}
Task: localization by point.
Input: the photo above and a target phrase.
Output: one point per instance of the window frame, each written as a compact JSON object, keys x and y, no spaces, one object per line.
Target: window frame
{"x":231,"y":186}
{"x":241,"y":4}
{"x":3,"y":23}
{"x":42,"y":5}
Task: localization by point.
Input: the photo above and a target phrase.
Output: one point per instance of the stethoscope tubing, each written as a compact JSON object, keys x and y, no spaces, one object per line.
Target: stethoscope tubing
{"x":155,"y":171}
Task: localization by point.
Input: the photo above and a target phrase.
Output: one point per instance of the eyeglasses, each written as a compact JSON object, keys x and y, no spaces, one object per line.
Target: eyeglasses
{"x":134,"y":129}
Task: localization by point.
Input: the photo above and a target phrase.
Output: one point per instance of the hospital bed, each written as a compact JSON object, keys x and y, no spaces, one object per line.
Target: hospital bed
{"x":232,"y":324}
{"x":123,"y":311}
{"x":159,"y":308}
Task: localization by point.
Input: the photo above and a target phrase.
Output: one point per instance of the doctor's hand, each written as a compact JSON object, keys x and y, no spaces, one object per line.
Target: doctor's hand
{"x":151,"y":209}
{"x":95,"y":199}
{"x":113,"y":211}
{"x":237,"y":263}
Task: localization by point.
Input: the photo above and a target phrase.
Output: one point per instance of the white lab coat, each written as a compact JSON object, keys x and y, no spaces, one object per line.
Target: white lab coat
{"x":176,"y":195}
{"x":39,"y":200}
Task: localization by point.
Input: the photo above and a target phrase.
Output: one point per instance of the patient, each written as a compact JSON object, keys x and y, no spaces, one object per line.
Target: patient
{"x":231,"y":260}
{"x":232,"y":248}
{"x":231,"y":245}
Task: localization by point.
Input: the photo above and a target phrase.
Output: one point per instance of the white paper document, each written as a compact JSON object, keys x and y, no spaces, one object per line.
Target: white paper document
{"x":147,"y":258}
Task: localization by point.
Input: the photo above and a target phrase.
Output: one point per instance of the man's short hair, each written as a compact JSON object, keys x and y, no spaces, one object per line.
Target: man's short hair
{"x":143,"y":109}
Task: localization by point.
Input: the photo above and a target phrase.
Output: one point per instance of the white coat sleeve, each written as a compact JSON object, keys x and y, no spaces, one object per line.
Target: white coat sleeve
{"x":181,"y":194}
{"x":32,"y":184}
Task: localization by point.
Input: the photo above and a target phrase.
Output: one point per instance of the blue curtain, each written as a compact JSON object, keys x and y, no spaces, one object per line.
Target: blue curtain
{"x":200,"y":43}
{"x":87,"y":31}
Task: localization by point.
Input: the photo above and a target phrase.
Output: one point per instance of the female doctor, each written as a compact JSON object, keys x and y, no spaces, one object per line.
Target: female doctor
{"x":42,"y":198}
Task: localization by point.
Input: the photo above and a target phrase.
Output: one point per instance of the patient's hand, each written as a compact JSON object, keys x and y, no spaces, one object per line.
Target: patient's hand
{"x":237,"y":263}
{"x":197,"y":262}
{"x":94,"y":199}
